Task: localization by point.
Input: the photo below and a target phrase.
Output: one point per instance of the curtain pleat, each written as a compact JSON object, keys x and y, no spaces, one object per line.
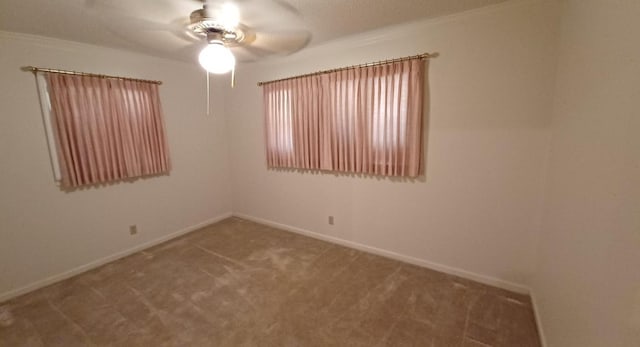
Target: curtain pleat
{"x":362,"y":120}
{"x":106,"y":130}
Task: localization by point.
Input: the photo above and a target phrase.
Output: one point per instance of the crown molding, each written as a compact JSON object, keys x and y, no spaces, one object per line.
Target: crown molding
{"x":46,"y":41}
{"x":75,"y":46}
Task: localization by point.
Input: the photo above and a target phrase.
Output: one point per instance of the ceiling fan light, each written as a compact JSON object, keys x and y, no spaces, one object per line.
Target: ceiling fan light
{"x":216,"y":58}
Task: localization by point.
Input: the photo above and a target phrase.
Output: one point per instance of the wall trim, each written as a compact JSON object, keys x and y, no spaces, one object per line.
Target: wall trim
{"x":496,"y":282}
{"x":73,"y":46}
{"x":115,"y":256}
{"x":492,"y":281}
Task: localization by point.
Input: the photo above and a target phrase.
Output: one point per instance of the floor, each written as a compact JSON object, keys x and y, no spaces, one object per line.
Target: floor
{"x":238,"y":283}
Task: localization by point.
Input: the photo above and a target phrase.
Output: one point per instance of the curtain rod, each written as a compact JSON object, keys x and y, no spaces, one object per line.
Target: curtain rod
{"x":68,"y":72}
{"x":381,"y":62}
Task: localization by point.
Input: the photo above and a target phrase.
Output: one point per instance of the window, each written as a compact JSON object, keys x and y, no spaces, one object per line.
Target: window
{"x":282,"y":140}
{"x":102,"y":130}
{"x":362,"y":120}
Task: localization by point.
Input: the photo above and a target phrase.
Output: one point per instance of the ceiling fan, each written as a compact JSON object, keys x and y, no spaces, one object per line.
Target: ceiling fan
{"x":218,"y":32}
{"x":220,"y":26}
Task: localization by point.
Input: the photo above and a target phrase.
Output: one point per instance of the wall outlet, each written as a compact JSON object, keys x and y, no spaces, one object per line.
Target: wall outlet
{"x":133,"y":229}
{"x":330,"y":220}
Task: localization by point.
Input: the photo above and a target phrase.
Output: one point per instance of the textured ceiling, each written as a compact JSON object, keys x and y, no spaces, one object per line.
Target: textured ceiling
{"x":157,"y":26}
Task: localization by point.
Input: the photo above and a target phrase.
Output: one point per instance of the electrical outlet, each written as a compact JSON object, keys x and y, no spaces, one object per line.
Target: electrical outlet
{"x":133,"y":229}
{"x":330,"y":220}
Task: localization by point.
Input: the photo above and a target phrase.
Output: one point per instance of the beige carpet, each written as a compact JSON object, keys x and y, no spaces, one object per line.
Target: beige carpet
{"x":237,"y":283}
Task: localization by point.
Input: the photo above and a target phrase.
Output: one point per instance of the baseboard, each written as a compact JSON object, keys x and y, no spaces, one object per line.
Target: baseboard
{"x":351,"y":244}
{"x":536,"y":313}
{"x":492,"y":281}
{"x":99,"y":262}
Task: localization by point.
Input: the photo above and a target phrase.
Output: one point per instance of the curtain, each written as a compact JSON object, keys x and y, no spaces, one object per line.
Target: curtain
{"x":292,"y":130}
{"x":362,"y":120}
{"x":106,"y":129}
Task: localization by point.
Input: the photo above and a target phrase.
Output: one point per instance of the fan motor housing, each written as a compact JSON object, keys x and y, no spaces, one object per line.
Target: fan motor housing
{"x":204,"y":25}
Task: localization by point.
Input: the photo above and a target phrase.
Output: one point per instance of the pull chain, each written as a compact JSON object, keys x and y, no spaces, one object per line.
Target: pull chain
{"x":233,"y":77}
{"x":208,"y":95}
{"x":233,"y":84}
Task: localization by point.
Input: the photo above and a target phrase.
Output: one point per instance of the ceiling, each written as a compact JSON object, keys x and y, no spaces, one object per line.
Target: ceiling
{"x":157,"y":26}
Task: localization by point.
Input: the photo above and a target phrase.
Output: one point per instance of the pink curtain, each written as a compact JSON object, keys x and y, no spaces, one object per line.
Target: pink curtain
{"x":363,"y":120}
{"x":106,"y":129}
{"x":292,"y":130}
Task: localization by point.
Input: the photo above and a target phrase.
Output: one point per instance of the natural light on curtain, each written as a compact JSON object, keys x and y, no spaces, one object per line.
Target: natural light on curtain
{"x":102,"y":130}
{"x":362,"y":120}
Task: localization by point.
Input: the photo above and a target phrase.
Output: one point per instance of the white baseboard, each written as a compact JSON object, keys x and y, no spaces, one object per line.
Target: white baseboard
{"x":496,"y":282}
{"x":96,"y":263}
{"x":492,"y":281}
{"x":536,"y":313}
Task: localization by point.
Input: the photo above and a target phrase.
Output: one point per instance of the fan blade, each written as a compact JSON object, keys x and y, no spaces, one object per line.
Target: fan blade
{"x":271,"y":27}
{"x":281,"y":42}
{"x":288,"y":7}
{"x":134,"y":15}
{"x":189,"y":52}
{"x":155,"y":43}
{"x":246,"y":54}
{"x":162,"y":10}
{"x":142,"y":26}
{"x":147,"y":15}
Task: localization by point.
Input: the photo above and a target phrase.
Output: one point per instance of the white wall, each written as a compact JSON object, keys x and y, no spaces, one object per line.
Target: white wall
{"x":45,"y":231}
{"x":495,"y":184}
{"x":478,"y":209}
{"x":588,"y":281}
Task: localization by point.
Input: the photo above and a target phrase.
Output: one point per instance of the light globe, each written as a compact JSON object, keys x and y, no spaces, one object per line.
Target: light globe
{"x":216,"y":58}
